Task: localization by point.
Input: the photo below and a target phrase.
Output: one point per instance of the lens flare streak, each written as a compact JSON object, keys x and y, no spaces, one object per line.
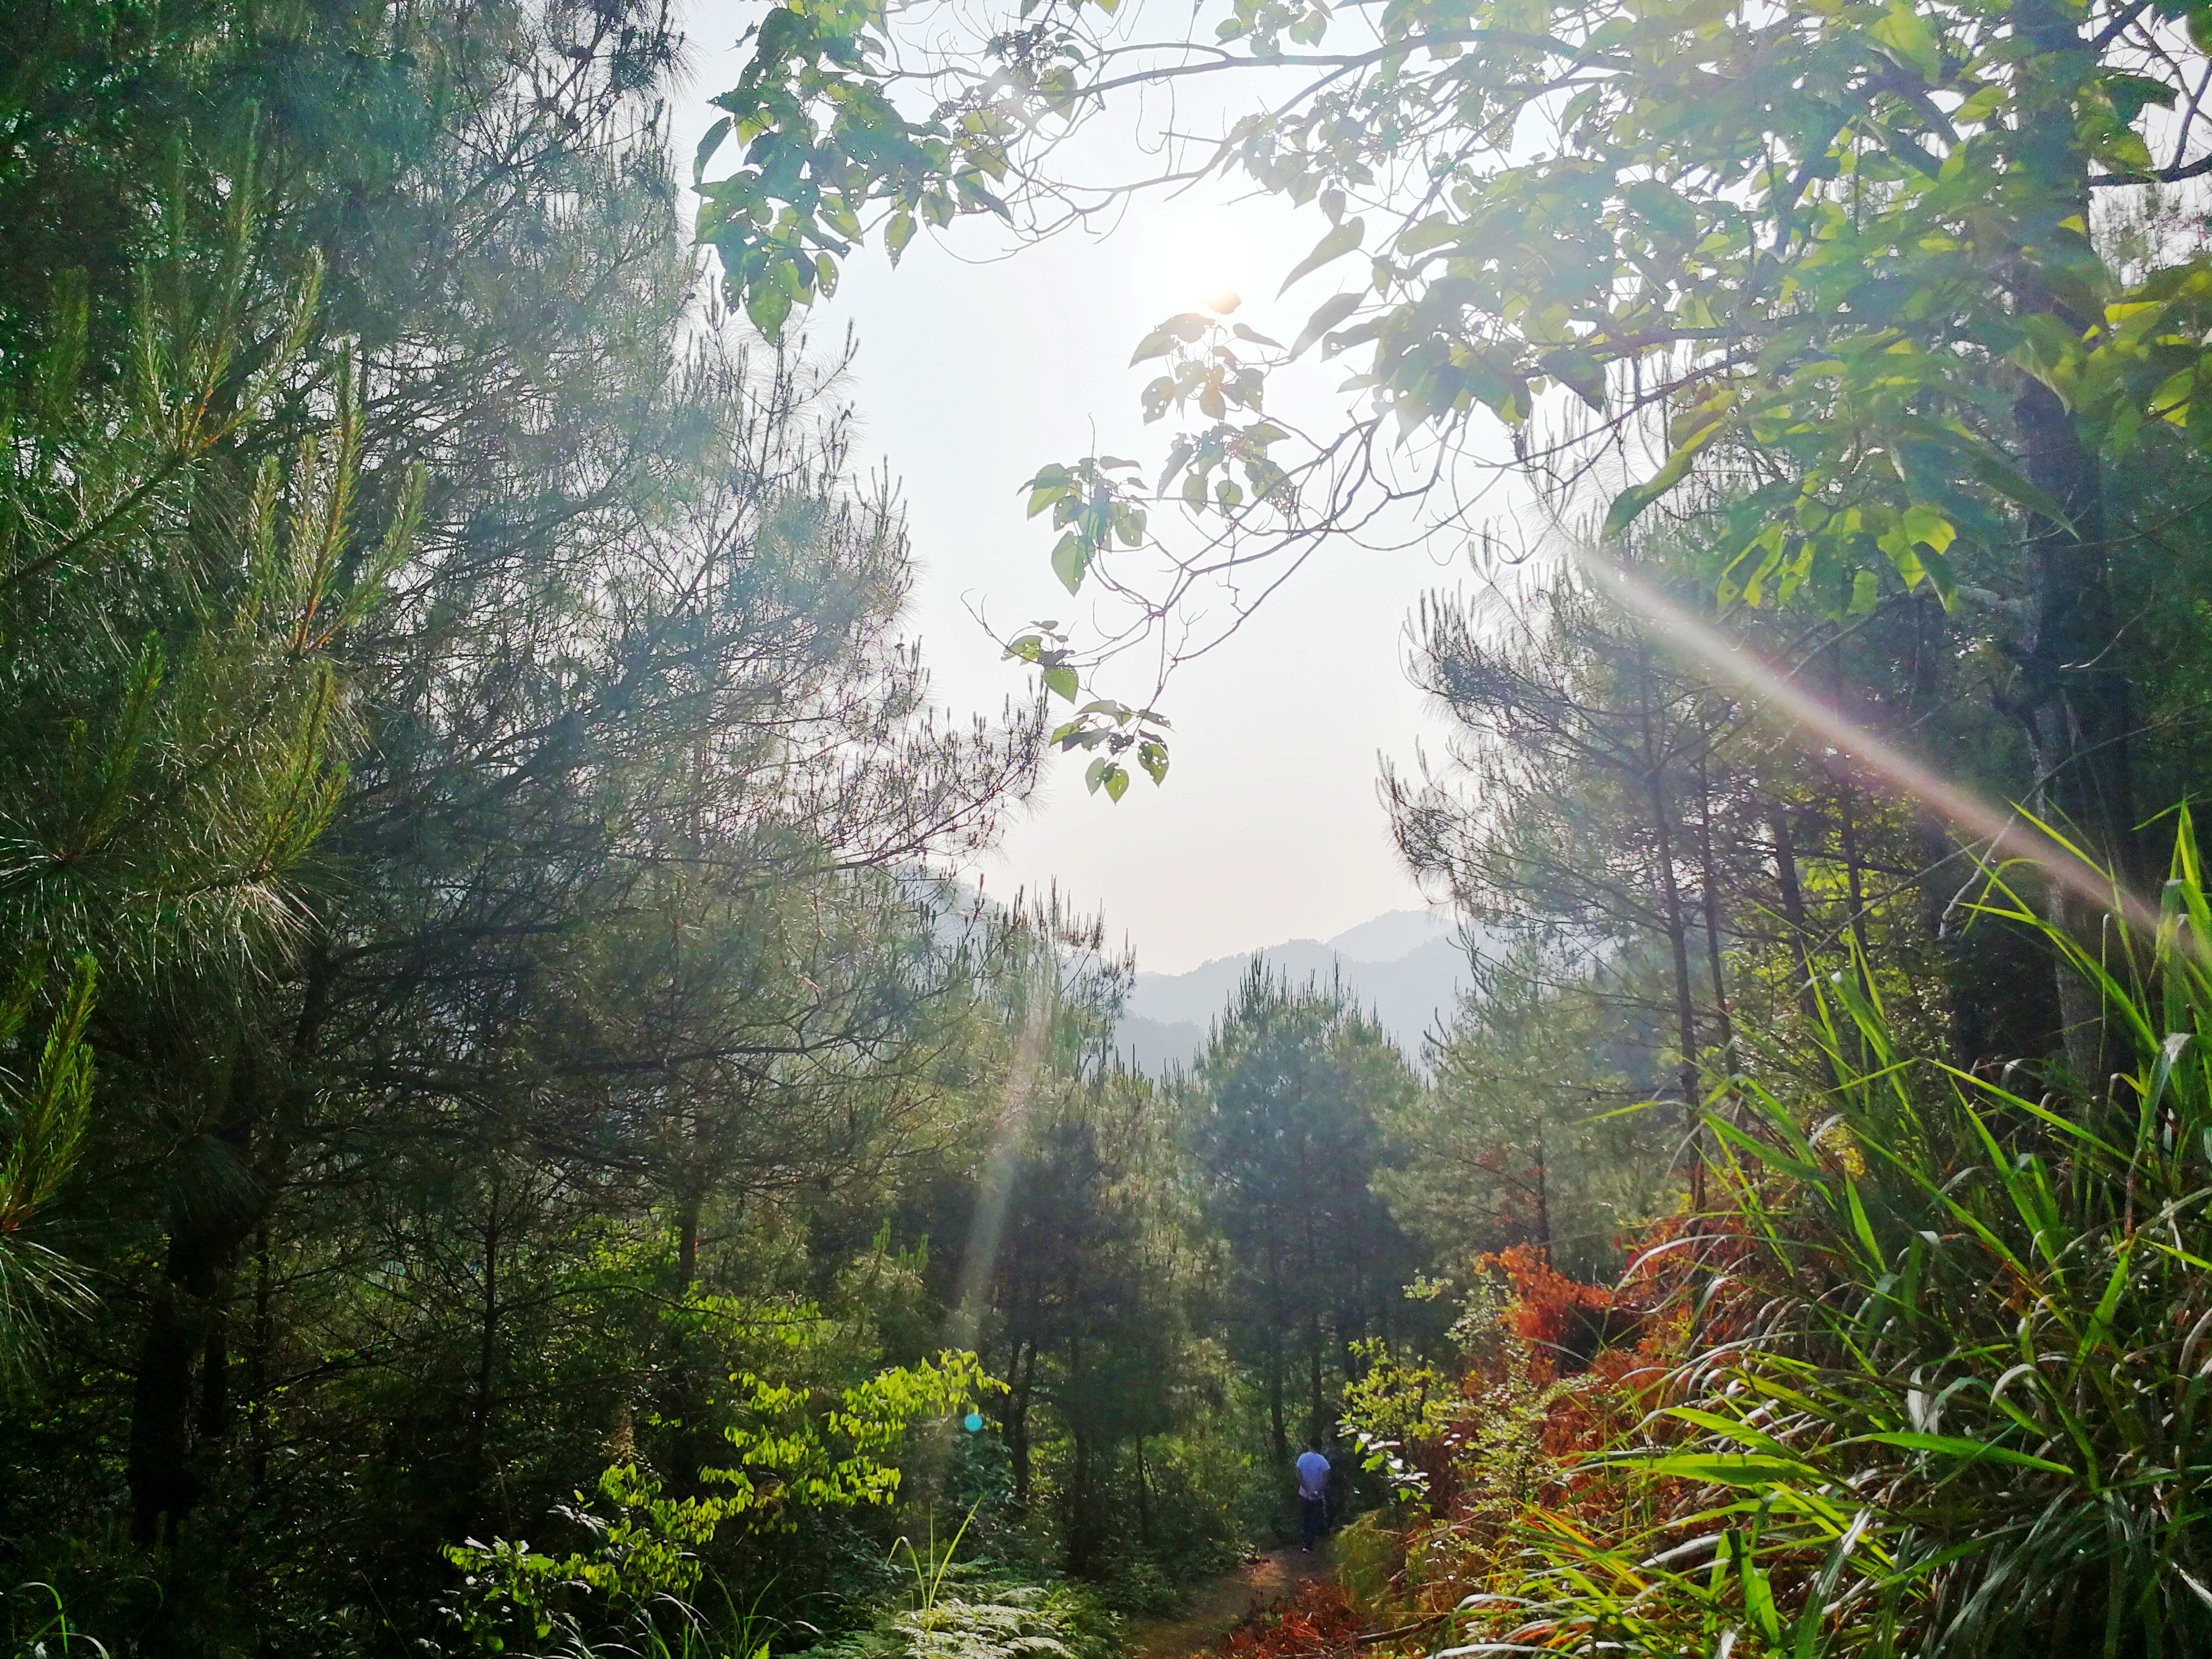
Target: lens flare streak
{"x":2010,"y":835}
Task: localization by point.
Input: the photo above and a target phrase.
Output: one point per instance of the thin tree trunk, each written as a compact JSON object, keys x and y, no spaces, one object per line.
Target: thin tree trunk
{"x":487,"y":1359}
{"x":1144,"y":1498}
{"x":205,"y":1232}
{"x":1792,"y":910}
{"x":162,"y":1484}
{"x":1678,"y":943}
{"x":216,"y":1414}
{"x":1543,"y":1202}
{"x":685,"y":1399}
{"x":1017,"y":1430}
{"x":2076,"y":705}
{"x":258,"y":1364}
{"x":687,"y":1238}
{"x":1709,"y":881}
{"x":1854,"y":878}
{"x":1083,"y":1500}
{"x":1277,"y":1430}
{"x":1316,"y":1415}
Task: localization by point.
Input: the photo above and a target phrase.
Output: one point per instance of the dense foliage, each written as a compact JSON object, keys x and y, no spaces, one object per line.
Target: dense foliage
{"x":514,"y":1137}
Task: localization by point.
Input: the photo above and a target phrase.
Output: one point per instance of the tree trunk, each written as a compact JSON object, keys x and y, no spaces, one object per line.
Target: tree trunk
{"x":1847,"y":832}
{"x":480,"y":1416}
{"x":215,"y":1376}
{"x":205,"y":1231}
{"x":1017,"y":1430}
{"x":1277,"y":1430}
{"x":163,"y":1487}
{"x":1082,"y":1500}
{"x":687,"y":1239}
{"x":1678,"y":944}
{"x":2076,"y":705}
{"x":1317,"y":1413}
{"x":1543,"y":1203}
{"x":258,"y":1364}
{"x":1144,"y":1498}
{"x":690,"y":1444}
{"x":1709,"y":881}
{"x":1793,"y":909}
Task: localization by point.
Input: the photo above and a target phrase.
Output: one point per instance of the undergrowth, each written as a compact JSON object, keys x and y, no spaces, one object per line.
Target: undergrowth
{"x":1931,"y":1375}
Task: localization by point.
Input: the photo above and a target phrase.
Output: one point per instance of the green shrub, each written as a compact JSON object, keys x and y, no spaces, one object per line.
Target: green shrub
{"x":1952,"y":1393}
{"x":1369,"y":1557}
{"x":971,"y":1610}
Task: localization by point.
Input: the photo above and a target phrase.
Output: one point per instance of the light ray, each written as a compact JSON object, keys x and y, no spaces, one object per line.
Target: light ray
{"x":2010,"y":835}
{"x":987,"y":1230}
{"x":994,"y":1193}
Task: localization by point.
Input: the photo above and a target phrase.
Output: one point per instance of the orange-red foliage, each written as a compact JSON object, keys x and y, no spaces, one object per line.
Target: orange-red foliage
{"x":1549,"y":1311}
{"x":1317,"y":1619}
{"x":1623,"y":1341}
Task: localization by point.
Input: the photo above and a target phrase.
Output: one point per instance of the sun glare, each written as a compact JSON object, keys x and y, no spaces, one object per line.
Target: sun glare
{"x":1205,"y":263}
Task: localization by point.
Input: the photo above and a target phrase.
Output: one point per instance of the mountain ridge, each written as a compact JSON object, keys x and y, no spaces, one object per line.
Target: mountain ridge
{"x":1406,"y":966}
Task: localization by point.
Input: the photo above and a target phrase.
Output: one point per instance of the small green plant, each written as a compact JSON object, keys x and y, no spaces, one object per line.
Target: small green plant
{"x":960,"y":1609}
{"x":1398,"y":1412}
{"x":929,"y":1576}
{"x":46,"y":1632}
{"x":645,"y":1548}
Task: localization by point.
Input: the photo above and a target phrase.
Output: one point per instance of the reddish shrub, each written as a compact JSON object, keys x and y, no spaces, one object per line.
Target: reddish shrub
{"x":1318,"y":1618}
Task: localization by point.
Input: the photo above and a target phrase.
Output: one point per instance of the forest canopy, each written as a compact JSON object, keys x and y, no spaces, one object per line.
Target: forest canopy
{"x":521,"y":1133}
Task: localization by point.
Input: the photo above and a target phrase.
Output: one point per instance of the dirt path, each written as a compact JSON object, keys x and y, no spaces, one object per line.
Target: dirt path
{"x":1220,"y":1604}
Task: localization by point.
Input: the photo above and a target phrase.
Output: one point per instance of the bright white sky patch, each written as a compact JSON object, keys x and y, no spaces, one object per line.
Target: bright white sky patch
{"x":970,"y":376}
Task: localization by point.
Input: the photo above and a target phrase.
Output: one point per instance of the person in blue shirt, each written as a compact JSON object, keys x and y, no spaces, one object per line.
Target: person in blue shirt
{"x":1313,"y":1494}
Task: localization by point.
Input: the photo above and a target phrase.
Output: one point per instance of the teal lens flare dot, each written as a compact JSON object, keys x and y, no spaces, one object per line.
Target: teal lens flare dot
{"x":973,"y":1422}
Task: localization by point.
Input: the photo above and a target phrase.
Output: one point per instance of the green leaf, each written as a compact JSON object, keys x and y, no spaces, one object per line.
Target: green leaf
{"x":708,"y":146}
{"x":2132,"y":93}
{"x":1157,"y":343}
{"x":767,"y":304}
{"x":1338,"y":242}
{"x":1071,"y":558}
{"x":1662,"y":207}
{"x":1050,"y":485}
{"x":1758,"y":1592}
{"x":1729,"y":1469}
{"x":1909,"y":39}
{"x":1326,"y":316}
{"x":1432,"y":233}
{"x":897,"y":233}
{"x":1953,"y":1446}
{"x":1060,"y":681}
{"x":1633,"y":500}
{"x":1582,"y":373}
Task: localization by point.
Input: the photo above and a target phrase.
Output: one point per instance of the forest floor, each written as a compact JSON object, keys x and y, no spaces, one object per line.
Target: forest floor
{"x":1220,"y":1604}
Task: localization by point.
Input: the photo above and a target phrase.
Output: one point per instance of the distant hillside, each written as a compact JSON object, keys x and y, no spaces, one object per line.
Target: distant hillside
{"x":1408,"y":966}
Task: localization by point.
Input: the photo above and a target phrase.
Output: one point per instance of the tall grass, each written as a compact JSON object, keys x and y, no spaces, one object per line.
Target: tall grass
{"x":1952,"y":1390}
{"x":39,"y":1626}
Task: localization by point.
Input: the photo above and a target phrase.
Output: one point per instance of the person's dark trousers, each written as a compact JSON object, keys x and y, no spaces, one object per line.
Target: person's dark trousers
{"x":1313,"y":1519}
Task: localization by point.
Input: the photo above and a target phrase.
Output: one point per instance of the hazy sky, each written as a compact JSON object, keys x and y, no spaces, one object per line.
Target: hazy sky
{"x":969,"y":376}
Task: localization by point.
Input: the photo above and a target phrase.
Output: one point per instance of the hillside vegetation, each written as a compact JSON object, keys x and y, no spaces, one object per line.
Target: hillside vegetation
{"x":518,"y":1136}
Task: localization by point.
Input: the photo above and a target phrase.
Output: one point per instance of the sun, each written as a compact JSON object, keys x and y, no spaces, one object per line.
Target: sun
{"x":1205,"y":263}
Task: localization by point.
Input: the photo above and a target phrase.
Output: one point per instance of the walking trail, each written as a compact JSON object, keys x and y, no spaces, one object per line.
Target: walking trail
{"x":1221,"y":1604}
